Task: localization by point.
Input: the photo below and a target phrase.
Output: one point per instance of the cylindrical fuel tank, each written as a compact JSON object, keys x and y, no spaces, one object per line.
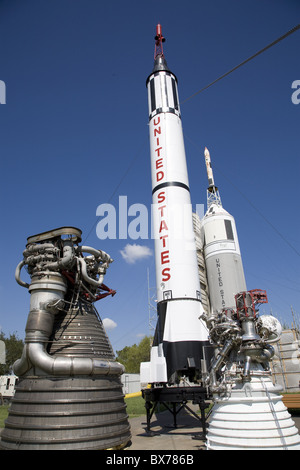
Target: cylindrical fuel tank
{"x":181,"y":339}
{"x":225,"y":273}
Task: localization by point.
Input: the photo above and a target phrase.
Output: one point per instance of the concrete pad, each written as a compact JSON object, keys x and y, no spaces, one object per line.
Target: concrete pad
{"x":163,"y":436}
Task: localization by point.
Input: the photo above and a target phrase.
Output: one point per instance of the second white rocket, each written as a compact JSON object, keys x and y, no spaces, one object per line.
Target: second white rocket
{"x":224,"y":267}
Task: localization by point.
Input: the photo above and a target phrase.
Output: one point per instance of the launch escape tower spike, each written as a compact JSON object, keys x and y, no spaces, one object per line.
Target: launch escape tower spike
{"x":159,"y":39}
{"x":213,"y":195}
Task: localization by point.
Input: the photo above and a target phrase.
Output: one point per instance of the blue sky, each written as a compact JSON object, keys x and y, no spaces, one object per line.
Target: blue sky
{"x":74,"y":134}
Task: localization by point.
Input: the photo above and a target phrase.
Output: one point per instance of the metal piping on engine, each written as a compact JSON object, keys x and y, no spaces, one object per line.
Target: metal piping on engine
{"x":18,"y":273}
{"x":48,"y":288}
{"x":218,"y":361}
{"x":85,"y":276}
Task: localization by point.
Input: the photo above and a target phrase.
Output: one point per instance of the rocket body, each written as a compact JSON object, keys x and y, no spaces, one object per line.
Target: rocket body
{"x":180,"y":337}
{"x":175,"y":260}
{"x":224,"y":268}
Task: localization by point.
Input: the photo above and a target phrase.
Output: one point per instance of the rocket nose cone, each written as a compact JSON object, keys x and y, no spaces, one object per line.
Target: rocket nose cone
{"x":160,"y":63}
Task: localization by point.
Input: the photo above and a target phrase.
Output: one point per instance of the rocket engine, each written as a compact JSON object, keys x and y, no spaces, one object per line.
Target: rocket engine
{"x":69,"y":395}
{"x":248,"y":413}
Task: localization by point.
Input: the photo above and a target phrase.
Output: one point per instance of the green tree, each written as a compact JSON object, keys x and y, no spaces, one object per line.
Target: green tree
{"x":14,"y":348}
{"x":132,"y":356}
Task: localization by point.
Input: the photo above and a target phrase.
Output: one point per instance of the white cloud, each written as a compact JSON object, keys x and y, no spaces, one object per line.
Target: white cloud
{"x":109,"y":324}
{"x":141,"y":335}
{"x":133,"y":253}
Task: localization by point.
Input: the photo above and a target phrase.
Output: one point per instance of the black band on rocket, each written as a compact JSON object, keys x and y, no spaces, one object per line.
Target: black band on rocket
{"x":170,"y":183}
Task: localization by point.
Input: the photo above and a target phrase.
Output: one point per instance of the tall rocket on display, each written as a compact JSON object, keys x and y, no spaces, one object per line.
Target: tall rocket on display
{"x":180,"y":339}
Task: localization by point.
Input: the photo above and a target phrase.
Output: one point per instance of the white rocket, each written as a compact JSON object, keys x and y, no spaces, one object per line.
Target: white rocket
{"x":224,"y":267}
{"x":180,"y":338}
{"x":248,"y":413}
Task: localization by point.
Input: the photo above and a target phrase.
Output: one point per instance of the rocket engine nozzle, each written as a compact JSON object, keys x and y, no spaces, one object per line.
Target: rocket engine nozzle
{"x":67,"y":372}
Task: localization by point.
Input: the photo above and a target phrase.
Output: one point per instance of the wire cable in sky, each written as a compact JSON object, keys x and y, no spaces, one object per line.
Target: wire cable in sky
{"x":192,"y":96}
{"x":244,"y":62}
{"x":131,"y":164}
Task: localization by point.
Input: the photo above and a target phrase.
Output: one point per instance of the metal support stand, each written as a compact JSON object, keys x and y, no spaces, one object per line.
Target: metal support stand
{"x":171,"y":397}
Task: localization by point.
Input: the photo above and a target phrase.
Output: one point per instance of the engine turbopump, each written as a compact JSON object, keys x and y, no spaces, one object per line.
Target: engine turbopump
{"x":241,"y":337}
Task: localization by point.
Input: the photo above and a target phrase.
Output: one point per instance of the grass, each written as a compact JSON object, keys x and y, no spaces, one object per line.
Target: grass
{"x":135,"y":406}
{"x":3,"y":415}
